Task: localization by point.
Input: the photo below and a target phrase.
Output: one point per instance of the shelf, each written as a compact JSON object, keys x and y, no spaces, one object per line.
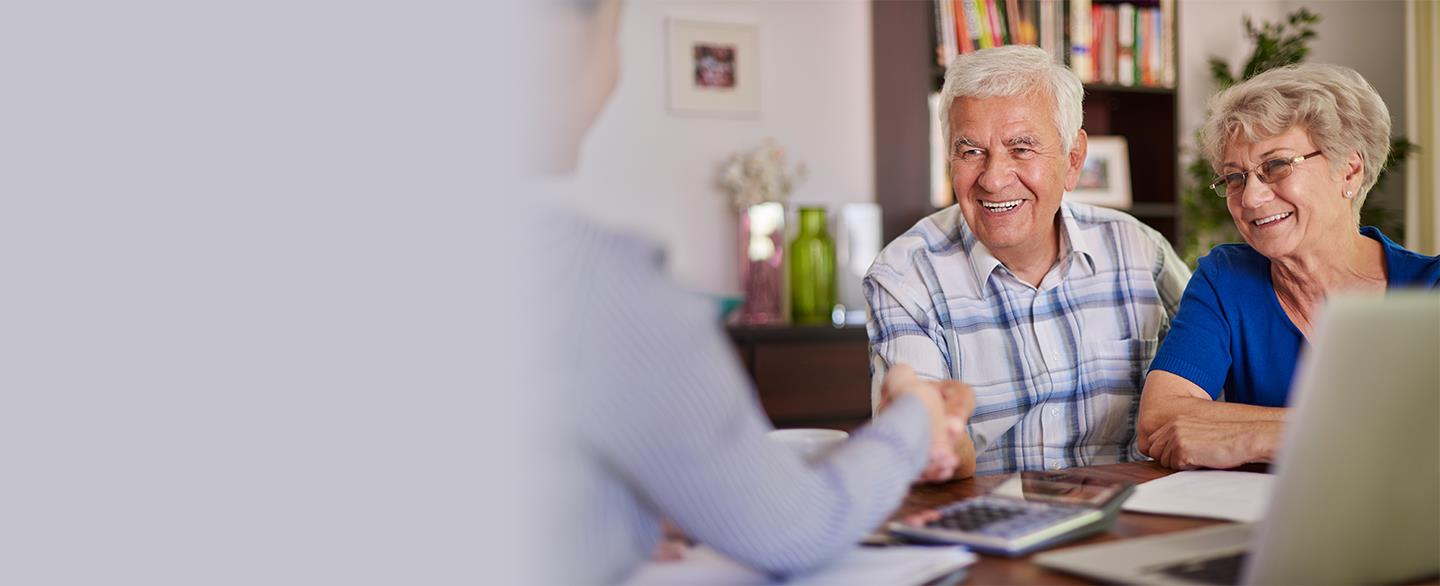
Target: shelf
{"x":795,"y":333}
{"x":1154,"y":210}
{"x":939,"y":75}
{"x":1137,"y":89}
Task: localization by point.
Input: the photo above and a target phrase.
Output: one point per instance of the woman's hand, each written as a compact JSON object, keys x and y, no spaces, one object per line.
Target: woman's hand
{"x":1187,"y":443}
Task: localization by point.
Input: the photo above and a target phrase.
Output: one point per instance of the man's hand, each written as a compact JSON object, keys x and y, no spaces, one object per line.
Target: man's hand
{"x":959,"y":406}
{"x":949,"y":404}
{"x":1187,"y":443}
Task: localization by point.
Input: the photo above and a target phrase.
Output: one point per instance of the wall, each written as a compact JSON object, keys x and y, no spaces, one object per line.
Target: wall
{"x":1422,"y":209}
{"x":1209,"y":29}
{"x":658,"y":170}
{"x":1367,"y":35}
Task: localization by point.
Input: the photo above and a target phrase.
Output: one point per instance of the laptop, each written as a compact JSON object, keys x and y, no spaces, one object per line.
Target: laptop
{"x":1357,"y":493}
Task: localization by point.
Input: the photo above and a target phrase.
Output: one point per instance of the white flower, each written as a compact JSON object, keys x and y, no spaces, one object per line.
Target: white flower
{"x":760,"y":176}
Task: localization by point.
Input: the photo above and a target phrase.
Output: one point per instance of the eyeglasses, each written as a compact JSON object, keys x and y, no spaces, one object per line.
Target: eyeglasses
{"x":1267,"y":172}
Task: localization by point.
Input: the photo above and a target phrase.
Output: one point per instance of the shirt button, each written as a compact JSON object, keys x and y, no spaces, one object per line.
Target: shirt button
{"x":1054,"y":411}
{"x":1054,"y":465}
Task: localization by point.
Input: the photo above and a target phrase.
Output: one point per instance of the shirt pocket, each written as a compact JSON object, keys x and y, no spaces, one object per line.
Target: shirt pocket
{"x":1112,"y":373}
{"x":1117,"y":365}
{"x":1128,"y":350}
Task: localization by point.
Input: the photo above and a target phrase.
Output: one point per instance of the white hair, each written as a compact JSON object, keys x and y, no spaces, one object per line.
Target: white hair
{"x":1010,"y":71}
{"x":1335,"y":106}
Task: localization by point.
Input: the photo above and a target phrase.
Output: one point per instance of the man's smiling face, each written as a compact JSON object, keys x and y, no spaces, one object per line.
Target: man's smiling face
{"x":1010,"y":169}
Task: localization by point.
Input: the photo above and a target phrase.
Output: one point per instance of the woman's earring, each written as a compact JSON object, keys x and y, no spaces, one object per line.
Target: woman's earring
{"x":1349,"y":194}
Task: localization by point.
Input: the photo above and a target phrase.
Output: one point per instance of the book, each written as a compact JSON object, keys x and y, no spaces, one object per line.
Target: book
{"x":1100,"y":45}
{"x":940,"y":34}
{"x":972,"y":22}
{"x":947,"y":32}
{"x":1157,"y":48}
{"x":1167,"y":60}
{"x":987,"y":39}
{"x":1059,"y":30}
{"x":997,"y":23}
{"x":962,"y":27}
{"x":1110,"y":48}
{"x":1144,"y":43}
{"x":1013,"y":21}
{"x":1125,"y":44}
{"x":1081,"y":59}
{"x":1047,"y":32}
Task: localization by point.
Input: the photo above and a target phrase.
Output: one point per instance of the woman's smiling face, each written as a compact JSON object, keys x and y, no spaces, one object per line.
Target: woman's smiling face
{"x":1294,"y":214}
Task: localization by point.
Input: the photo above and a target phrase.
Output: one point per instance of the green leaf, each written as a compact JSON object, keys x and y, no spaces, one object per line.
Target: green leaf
{"x":1220,"y":72}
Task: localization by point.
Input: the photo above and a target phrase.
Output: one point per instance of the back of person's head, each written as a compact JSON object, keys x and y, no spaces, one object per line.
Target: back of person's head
{"x":581,"y":5}
{"x":1336,"y":107}
{"x":1012,"y":71}
{"x":576,"y":68}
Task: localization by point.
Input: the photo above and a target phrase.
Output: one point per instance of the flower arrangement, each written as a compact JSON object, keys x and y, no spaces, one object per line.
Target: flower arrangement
{"x":760,"y":176}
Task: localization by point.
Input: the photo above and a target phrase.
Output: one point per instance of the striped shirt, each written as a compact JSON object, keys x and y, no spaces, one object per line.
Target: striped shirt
{"x":1057,"y":369}
{"x":668,"y":426}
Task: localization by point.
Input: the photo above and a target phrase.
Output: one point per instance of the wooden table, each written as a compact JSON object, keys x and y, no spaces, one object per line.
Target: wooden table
{"x":1002,"y":570}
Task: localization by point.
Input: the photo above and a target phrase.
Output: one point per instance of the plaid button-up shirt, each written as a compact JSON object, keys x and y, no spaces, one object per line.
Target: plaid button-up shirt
{"x":1057,"y":369}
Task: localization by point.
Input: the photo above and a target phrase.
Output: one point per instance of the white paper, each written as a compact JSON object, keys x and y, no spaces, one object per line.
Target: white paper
{"x":897,"y":565}
{"x":1213,"y":494}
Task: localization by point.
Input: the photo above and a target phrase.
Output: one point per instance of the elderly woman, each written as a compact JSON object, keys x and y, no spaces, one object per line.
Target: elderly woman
{"x":1296,"y":149}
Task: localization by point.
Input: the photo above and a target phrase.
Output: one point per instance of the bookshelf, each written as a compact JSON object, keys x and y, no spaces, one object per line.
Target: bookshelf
{"x":908,"y":48}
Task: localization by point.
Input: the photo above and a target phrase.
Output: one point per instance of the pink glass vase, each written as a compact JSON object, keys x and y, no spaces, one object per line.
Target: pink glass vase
{"x":762,"y":252}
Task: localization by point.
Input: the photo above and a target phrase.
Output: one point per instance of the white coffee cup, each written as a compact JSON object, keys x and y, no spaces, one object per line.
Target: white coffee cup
{"x":809,"y":443}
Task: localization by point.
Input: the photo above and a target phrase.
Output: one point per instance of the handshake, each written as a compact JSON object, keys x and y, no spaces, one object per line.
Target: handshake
{"x":949,"y":404}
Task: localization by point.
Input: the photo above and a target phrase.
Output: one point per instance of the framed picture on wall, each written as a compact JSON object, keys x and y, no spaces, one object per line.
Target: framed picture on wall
{"x":1105,"y":179}
{"x":714,"y":67}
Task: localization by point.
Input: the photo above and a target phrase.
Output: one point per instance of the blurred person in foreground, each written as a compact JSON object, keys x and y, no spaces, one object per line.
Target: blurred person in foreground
{"x":665,"y":423}
{"x":1297,"y":149}
{"x":1051,"y":309}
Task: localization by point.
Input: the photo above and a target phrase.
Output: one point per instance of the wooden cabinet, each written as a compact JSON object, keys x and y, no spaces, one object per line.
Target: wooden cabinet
{"x":808,"y":376}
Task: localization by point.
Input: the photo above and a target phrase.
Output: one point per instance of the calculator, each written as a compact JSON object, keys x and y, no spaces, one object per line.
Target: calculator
{"x":1026,"y":513}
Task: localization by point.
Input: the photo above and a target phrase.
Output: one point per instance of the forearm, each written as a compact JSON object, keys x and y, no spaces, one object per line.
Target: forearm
{"x":1264,"y":440}
{"x":756,"y":504}
{"x":859,"y":485}
{"x":1165,"y":410}
{"x":965,"y":450}
{"x":1157,"y":413}
{"x":1190,"y":443}
{"x":1168,"y":396}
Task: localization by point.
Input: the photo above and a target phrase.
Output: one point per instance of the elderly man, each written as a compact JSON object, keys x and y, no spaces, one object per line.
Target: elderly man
{"x":1050,"y":310}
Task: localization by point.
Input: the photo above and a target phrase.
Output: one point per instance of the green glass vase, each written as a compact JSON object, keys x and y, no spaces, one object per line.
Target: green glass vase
{"x":812,"y":270}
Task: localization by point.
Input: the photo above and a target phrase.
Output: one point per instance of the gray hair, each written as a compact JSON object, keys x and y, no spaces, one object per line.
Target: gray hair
{"x":1010,"y":71}
{"x":1340,"y":111}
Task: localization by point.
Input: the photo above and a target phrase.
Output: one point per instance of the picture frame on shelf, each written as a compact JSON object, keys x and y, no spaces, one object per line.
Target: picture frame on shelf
{"x":714,"y":67}
{"x":1105,"y":178}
